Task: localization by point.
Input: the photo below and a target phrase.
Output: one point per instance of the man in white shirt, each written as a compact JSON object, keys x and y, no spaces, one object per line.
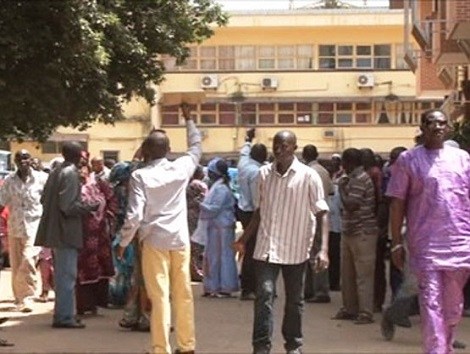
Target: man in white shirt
{"x":290,"y":199}
{"x":21,"y":193}
{"x":157,"y":210}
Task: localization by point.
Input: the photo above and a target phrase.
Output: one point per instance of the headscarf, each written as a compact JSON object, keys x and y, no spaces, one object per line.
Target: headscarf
{"x":120,"y":173}
{"x":212,"y":166}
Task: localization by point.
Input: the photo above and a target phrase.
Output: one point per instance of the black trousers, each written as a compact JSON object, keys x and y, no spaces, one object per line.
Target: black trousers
{"x":247,"y":275}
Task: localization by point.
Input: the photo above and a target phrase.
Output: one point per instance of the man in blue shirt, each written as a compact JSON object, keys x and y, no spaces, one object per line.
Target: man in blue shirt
{"x":252,"y":157}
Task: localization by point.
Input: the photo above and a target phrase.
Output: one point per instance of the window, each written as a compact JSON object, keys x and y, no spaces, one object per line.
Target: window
{"x":354,"y":57}
{"x":286,"y":57}
{"x":267,"y":113}
{"x":304,"y":113}
{"x":208,"y":59}
{"x":208,"y":113}
{"x":400,"y":57}
{"x":266,"y":57}
{"x":226,"y":57}
{"x":110,"y":155}
{"x":326,"y":113}
{"x":248,"y":113}
{"x":227,"y":114}
{"x":55,"y":147}
{"x":170,"y":115}
{"x":304,"y":57}
{"x":245,"y":57}
{"x":191,"y":61}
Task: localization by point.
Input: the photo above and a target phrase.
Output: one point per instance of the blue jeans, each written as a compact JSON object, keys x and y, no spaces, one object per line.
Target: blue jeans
{"x":65,"y":275}
{"x":294,"y":278}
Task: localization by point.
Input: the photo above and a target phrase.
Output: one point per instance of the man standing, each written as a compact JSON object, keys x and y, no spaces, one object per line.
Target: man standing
{"x":252,"y":157}
{"x":21,"y":193}
{"x":157,"y":210}
{"x":430,"y":185}
{"x":99,"y":170}
{"x":317,"y":283}
{"x":61,"y":229}
{"x":358,"y":240}
{"x":290,"y":200}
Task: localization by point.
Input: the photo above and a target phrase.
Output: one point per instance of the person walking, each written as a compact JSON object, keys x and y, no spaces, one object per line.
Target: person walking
{"x":430,"y":186}
{"x":61,"y":229}
{"x":21,"y":193}
{"x":291,"y":199}
{"x":252,"y":157}
{"x":157,"y":210}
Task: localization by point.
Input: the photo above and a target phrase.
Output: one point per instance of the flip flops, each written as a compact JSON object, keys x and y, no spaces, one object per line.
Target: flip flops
{"x":5,"y":343}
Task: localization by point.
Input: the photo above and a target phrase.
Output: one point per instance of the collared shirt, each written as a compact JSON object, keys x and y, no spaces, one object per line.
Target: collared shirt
{"x":363,"y":219}
{"x":288,"y":204}
{"x":248,"y":170}
{"x":435,"y":183}
{"x":23,"y":201}
{"x":325,"y":177}
{"x":157,"y":199}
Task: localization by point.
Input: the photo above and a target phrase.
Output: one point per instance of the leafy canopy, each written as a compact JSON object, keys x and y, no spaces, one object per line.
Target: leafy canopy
{"x":71,"y":62}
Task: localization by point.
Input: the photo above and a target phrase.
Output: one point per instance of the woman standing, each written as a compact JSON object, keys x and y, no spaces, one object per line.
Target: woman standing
{"x":95,"y":264}
{"x":218,"y":213}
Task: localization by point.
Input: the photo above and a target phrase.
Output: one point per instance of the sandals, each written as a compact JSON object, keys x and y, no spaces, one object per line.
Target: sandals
{"x":363,"y":318}
{"x":5,"y":343}
{"x":342,"y":314}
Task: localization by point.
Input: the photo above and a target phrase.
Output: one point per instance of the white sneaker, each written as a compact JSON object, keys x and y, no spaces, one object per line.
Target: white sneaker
{"x":25,"y":306}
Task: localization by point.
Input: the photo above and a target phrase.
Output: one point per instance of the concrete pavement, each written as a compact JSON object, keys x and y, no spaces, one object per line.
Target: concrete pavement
{"x":223,"y":326}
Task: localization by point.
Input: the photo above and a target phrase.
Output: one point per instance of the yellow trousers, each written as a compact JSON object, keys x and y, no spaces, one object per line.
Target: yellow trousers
{"x":166,"y":276}
{"x":23,"y":256}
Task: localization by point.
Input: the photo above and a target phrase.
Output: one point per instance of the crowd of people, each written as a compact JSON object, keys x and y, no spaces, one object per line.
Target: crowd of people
{"x":136,"y":235}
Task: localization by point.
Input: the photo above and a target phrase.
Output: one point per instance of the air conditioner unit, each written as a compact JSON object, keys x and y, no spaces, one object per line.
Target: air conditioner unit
{"x":269,"y":83}
{"x":329,"y":134}
{"x":209,"y":82}
{"x":365,"y":80}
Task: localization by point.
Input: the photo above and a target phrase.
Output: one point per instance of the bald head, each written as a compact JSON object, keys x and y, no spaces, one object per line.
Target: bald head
{"x":284,"y":146}
{"x":155,"y":146}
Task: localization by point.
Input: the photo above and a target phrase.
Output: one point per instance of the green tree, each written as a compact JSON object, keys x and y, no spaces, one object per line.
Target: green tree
{"x":72,"y":62}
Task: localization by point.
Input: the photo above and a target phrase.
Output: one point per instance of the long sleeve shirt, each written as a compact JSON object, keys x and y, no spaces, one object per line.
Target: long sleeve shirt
{"x":248,"y":170}
{"x":157,"y":206}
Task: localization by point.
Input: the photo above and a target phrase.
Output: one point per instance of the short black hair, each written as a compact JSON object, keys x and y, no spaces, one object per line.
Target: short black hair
{"x":310,"y":153}
{"x":259,"y":152}
{"x":353,"y":156}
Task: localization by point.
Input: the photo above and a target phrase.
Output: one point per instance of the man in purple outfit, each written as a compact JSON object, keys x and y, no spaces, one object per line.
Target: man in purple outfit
{"x":430,"y":185}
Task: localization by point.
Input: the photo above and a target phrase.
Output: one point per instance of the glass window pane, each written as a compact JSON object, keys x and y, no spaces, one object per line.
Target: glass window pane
{"x":193,"y":51}
{"x":327,"y":50}
{"x":326,"y":107}
{"x":227,"y":118}
{"x":285,"y":118}
{"x":245,"y":51}
{"x":170,"y":119}
{"x":382,"y":49}
{"x":363,"y":63}
{"x":266,"y":106}
{"x":344,"y":106}
{"x":173,"y":108}
{"x":327,"y":63}
{"x":345,"y":50}
{"x":286,"y":106}
{"x":344,"y":118}
{"x":363,"y":50}
{"x":304,"y":107}
{"x":190,"y":64}
{"x":50,"y":147}
{"x":248,"y":107}
{"x":208,"y":107}
{"x":207,"y":52}
{"x":245,"y":64}
{"x":363,"y":118}
{"x":286,"y":51}
{"x":208,"y":64}
{"x":266,"y":63}
{"x":304,"y":118}
{"x":363,"y":106}
{"x":305,"y":50}
{"x":285,"y":64}
{"x":305,"y":63}
{"x":207,"y":118}
{"x":226,"y":51}
{"x":325,"y":118}
{"x":266,"y":118}
{"x":226,"y":64}
{"x":267,"y":51}
{"x":382,"y":63}
{"x":248,"y":118}
{"x":226,"y":107}
{"x":345,"y":63}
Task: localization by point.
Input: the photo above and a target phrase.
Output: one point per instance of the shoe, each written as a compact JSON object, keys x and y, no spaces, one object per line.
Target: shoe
{"x":387,"y":328}
{"x":3,"y":320}
{"x":321,"y":299}
{"x":363,"y":318}
{"x":403,"y":322}
{"x":294,"y":351}
{"x":223,"y":295}
{"x":24,"y":307}
{"x":5,"y":343}
{"x":186,"y":352}
{"x":342,"y":314}
{"x":246,"y":296}
{"x":262,"y":350}
{"x":71,"y":325}
{"x":456,"y":344}
{"x":123,"y":323}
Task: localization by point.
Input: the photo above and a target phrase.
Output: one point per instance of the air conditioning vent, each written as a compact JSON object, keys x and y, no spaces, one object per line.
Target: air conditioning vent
{"x":365,"y":80}
{"x":269,"y":83}
{"x":209,"y":82}
{"x":329,"y":134}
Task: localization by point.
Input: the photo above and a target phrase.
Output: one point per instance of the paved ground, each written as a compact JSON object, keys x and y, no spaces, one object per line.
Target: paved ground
{"x":223,"y":326}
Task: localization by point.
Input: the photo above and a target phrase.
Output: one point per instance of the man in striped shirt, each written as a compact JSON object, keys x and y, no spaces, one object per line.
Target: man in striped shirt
{"x":358,"y":240}
{"x":290,"y":197}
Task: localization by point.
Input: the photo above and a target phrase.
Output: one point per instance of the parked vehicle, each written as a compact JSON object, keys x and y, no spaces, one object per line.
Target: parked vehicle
{"x":5,"y":163}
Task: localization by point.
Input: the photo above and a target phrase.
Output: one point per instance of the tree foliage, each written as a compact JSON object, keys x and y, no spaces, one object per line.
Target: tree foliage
{"x":71,"y":62}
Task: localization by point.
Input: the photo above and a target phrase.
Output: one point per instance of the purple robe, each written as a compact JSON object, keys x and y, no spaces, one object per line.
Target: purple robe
{"x":435,"y":183}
